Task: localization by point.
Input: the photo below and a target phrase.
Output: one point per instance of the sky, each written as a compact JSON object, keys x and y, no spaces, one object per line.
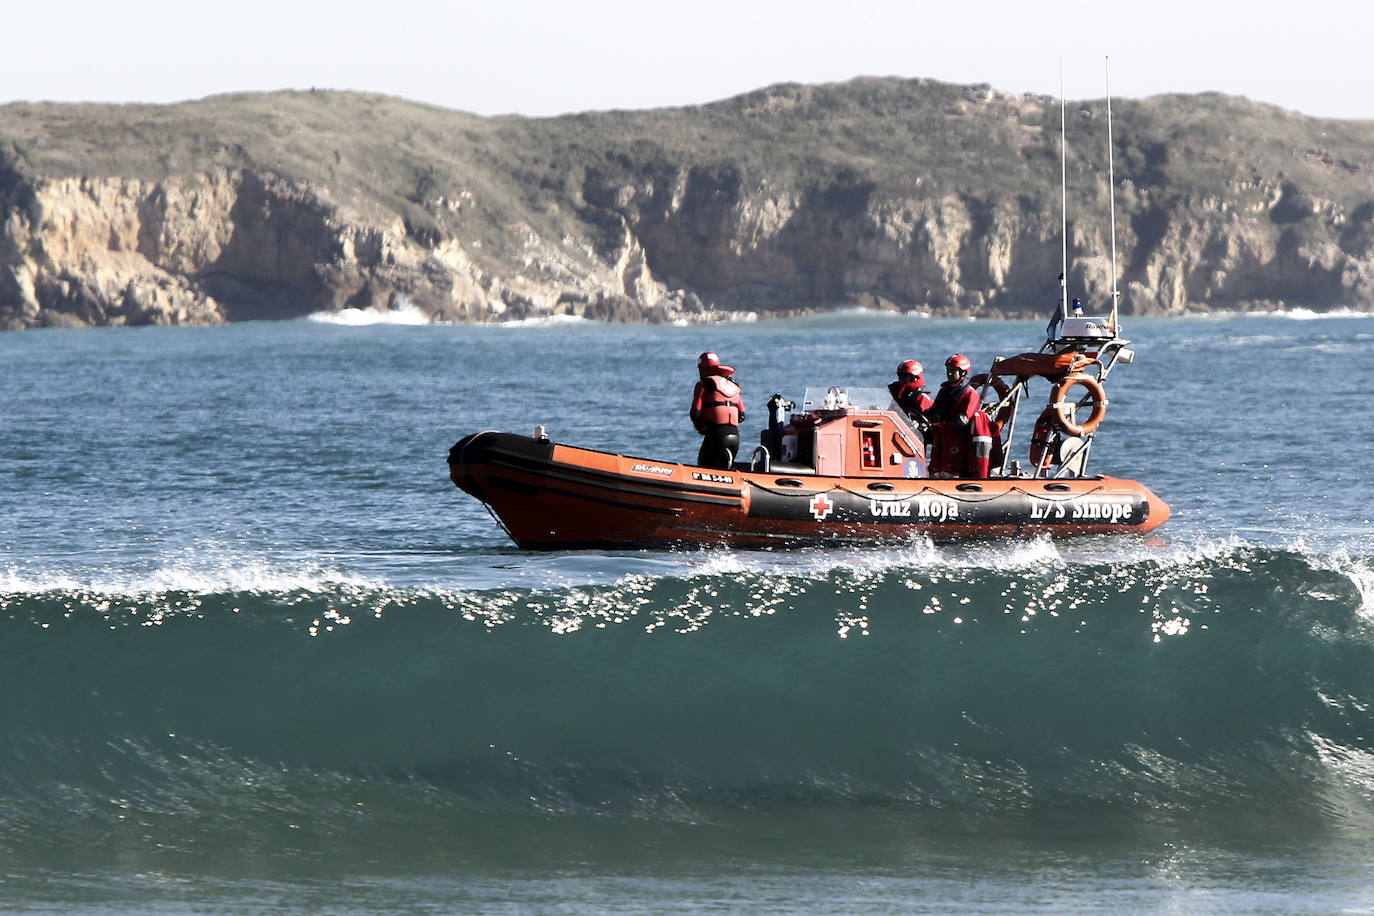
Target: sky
{"x":545,"y":57}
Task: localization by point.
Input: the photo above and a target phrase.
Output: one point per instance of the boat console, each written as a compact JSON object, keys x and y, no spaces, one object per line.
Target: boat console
{"x":842,"y":431}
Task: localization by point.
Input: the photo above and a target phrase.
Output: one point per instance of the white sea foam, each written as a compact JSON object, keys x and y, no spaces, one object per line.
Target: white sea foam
{"x":815,"y":563}
{"x":1292,"y":314}
{"x":822,"y":562}
{"x":1358,"y":569}
{"x":193,"y":572}
{"x":212,"y":570}
{"x":404,"y":314}
{"x":16,"y":581}
{"x":1301,"y":314}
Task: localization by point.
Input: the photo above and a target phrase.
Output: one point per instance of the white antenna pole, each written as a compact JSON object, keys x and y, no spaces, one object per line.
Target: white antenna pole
{"x":1063,"y":202}
{"x":1111,"y":194}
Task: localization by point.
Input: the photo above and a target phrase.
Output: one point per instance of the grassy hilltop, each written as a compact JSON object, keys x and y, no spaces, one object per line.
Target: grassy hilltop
{"x":792,"y":197}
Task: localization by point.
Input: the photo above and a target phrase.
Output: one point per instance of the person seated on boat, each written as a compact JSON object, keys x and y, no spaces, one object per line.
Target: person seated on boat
{"x":717,"y":409}
{"x":961,"y":436}
{"x":909,"y":390}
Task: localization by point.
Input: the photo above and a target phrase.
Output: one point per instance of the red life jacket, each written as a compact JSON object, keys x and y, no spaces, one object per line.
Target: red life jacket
{"x":721,"y":403}
{"x":962,"y":444}
{"x":910,"y":396}
{"x":955,"y":402}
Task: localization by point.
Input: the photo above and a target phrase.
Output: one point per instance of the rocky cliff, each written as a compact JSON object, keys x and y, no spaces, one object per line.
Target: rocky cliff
{"x":895,"y":194}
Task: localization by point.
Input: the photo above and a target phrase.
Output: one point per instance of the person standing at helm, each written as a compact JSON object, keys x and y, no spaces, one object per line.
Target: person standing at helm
{"x":962,"y":440}
{"x":717,"y":409}
{"x":909,"y":390}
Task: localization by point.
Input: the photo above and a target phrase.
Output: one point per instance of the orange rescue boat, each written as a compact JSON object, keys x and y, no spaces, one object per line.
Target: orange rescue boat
{"x":849,"y":468}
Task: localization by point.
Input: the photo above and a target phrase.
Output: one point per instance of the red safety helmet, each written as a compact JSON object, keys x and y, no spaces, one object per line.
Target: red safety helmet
{"x":708,"y":363}
{"x":958,"y":361}
{"x":911,"y":367}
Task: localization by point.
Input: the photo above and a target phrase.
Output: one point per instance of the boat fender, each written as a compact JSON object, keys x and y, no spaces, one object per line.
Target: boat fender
{"x":1069,"y":455}
{"x":1064,"y":408}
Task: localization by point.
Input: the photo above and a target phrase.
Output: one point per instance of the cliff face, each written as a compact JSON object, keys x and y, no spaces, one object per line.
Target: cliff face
{"x":1260,"y":244}
{"x":730,"y":208}
{"x":232,"y":245}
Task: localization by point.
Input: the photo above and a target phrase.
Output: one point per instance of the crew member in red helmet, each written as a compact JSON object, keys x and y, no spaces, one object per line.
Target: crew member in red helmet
{"x":717,"y":409}
{"x":909,"y":390}
{"x":962,"y":436}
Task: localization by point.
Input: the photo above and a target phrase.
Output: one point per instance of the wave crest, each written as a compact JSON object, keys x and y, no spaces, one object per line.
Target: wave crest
{"x":404,"y":313}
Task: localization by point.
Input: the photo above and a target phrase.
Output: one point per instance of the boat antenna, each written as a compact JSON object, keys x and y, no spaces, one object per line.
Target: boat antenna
{"x":1063,"y":202}
{"x":1111,"y":196}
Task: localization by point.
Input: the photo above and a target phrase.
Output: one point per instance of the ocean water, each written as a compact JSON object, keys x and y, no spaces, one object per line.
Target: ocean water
{"x":259,"y":655}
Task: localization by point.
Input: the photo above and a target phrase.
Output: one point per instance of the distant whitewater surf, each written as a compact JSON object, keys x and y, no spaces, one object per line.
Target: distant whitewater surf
{"x":406,"y":314}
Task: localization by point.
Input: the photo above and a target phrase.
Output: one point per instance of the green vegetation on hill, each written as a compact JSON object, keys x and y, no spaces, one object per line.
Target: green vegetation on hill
{"x":837,"y":148}
{"x":901,"y":135}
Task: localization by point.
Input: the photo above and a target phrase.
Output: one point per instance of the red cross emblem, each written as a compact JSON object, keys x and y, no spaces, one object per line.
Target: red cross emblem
{"x":821,"y":506}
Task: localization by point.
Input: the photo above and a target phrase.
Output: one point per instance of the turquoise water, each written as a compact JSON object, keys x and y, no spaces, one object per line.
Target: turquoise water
{"x":260,"y":655}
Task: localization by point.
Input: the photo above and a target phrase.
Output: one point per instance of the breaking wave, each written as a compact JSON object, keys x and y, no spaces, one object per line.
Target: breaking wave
{"x":404,"y":314}
{"x":1225,"y":676}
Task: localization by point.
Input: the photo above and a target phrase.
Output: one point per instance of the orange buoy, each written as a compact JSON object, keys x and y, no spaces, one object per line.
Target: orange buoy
{"x":1064,"y":409}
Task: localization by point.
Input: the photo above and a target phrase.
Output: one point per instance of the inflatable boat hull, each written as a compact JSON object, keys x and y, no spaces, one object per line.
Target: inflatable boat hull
{"x":556,"y":496}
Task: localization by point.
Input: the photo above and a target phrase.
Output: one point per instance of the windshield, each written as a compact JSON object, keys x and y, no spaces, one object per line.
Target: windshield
{"x":838,"y":396}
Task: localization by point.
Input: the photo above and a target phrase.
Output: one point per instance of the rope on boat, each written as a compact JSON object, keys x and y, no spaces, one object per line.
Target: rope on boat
{"x":485,"y":505}
{"x":496,"y":518}
{"x":928,"y":490}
